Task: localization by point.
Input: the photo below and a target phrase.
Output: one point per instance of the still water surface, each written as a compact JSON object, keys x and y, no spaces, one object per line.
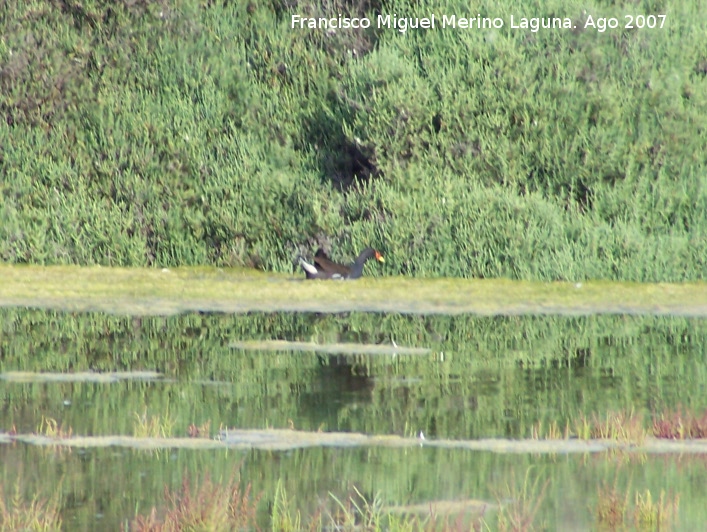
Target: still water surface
{"x":468,"y":377}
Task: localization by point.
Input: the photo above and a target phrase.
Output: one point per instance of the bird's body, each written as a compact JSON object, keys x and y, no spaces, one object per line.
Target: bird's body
{"x":325,"y":268}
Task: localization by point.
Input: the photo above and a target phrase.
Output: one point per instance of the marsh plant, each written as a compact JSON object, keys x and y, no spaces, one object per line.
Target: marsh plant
{"x":211,"y":506}
{"x":611,"y":507}
{"x":357,"y":510}
{"x":614,"y":509}
{"x":552,"y":431}
{"x":200,"y":431}
{"x":680,"y":424}
{"x":519,"y":505}
{"x":649,"y":514}
{"x":353,"y":513}
{"x":622,"y":426}
{"x":152,"y":426}
{"x":619,"y":426}
{"x":38,"y":514}
{"x":51,"y":428}
{"x":284,"y":516}
{"x":627,"y":427}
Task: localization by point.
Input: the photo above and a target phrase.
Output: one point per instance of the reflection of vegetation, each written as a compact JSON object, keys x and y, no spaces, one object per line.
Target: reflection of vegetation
{"x":37,"y":514}
{"x":497,"y":376}
{"x":308,"y":476}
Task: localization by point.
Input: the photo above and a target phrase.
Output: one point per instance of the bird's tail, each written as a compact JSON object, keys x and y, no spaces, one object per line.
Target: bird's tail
{"x":308,"y":268}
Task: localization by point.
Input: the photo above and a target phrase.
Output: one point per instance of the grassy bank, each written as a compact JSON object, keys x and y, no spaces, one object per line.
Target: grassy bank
{"x":186,"y":133}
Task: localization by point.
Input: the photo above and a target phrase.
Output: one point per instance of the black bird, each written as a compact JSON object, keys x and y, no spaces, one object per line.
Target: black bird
{"x":325,"y":268}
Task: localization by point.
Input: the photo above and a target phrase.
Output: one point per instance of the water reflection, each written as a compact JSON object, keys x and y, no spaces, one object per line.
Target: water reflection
{"x":480,"y":377}
{"x":89,"y":480}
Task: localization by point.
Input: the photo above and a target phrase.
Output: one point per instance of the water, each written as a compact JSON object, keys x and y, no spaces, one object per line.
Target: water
{"x":477,"y":377}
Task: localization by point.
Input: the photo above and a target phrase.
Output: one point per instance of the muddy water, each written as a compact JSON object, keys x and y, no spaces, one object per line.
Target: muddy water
{"x":456,"y":377}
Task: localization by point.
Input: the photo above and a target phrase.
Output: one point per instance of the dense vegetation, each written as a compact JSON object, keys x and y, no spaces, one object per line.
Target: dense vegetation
{"x":147,"y":132}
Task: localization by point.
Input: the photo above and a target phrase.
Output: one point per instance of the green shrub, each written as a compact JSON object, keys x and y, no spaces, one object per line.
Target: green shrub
{"x":154,"y":133}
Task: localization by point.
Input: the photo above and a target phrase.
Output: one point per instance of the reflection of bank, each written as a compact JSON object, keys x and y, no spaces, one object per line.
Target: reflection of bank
{"x":336,"y":394}
{"x":346,"y":373}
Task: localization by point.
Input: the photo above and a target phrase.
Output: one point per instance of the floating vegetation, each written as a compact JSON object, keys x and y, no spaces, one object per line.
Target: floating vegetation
{"x":330,"y":349}
{"x":81,"y":376}
{"x":287,"y":440}
{"x":128,"y":442}
{"x":442,"y":507}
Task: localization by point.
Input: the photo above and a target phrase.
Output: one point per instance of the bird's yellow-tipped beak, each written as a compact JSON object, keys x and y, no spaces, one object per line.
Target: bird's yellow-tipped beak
{"x":379,"y":257}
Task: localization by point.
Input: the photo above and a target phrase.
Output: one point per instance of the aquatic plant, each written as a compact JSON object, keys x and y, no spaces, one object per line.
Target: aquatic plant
{"x":50,"y":428}
{"x":357,"y":510}
{"x":211,"y":506}
{"x":284,"y":517}
{"x":624,"y":426}
{"x":611,"y":506}
{"x":680,"y":424}
{"x":39,"y":514}
{"x":627,"y":426}
{"x":200,"y":431}
{"x":518,"y":505}
{"x":654,"y":515}
{"x":152,"y":426}
{"x":614,"y":508}
{"x":552,"y":432}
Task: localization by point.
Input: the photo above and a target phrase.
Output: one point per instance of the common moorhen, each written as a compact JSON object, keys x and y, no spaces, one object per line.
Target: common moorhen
{"x":325,"y":268}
